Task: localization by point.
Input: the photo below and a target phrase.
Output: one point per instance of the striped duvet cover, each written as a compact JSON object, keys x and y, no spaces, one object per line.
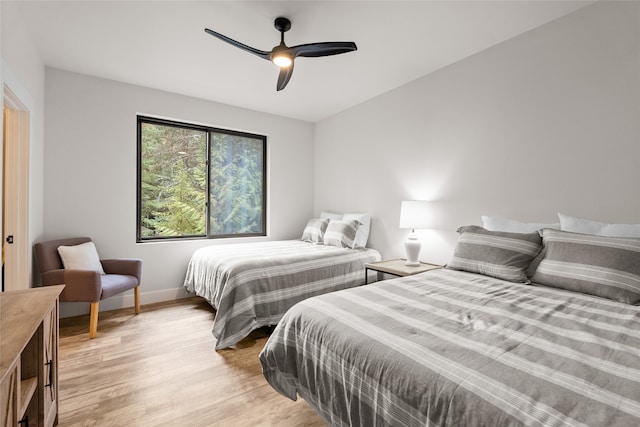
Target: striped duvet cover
{"x":254,"y":284}
{"x":450,"y":348}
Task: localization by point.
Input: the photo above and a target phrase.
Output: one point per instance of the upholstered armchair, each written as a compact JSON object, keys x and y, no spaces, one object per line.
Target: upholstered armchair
{"x":90,"y":286}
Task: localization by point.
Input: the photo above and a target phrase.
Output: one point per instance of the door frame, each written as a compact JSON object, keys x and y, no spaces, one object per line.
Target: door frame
{"x":15,"y":191}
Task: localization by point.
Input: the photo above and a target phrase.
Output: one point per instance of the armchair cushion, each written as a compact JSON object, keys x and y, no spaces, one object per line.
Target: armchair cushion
{"x":113,"y":284}
{"x":80,"y":257}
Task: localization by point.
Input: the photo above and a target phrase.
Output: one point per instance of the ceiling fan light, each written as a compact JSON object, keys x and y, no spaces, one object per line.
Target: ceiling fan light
{"x":282,"y":60}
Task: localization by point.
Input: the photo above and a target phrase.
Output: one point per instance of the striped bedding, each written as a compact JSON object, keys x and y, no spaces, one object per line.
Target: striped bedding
{"x":252,"y":285}
{"x":451,"y":348}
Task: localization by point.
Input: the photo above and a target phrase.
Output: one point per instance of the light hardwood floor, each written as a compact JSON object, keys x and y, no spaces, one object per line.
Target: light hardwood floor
{"x":160,"y":369}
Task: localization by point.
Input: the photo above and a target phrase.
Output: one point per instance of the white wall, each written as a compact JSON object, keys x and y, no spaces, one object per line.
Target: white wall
{"x":545,"y":122}
{"x":90,"y":172}
{"x":542,"y":123}
{"x":23,"y":72}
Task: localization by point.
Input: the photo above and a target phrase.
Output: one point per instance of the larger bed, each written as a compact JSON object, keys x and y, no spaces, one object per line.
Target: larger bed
{"x":252,"y":285}
{"x":456,"y":348}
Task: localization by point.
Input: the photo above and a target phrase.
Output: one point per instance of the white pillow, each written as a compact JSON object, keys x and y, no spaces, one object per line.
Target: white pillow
{"x":362,"y":236}
{"x":513,"y":226}
{"x":81,"y":257}
{"x":598,"y":228}
{"x":330,"y":215}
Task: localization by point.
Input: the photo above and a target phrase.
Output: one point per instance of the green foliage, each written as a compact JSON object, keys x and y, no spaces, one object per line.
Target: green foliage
{"x":236,"y":182}
{"x":174,"y":178}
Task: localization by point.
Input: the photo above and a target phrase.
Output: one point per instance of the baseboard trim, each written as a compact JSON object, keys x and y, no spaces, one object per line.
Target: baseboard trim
{"x":70,"y":309}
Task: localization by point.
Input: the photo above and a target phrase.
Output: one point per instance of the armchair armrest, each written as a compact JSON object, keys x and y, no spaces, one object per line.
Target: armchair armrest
{"x":53,"y":277}
{"x":126,"y":266}
{"x":81,"y":285}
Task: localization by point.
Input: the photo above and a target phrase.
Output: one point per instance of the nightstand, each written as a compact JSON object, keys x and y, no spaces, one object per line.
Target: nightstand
{"x":396,"y":267}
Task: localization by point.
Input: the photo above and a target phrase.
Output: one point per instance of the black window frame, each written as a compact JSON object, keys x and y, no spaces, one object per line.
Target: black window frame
{"x":140,"y":119}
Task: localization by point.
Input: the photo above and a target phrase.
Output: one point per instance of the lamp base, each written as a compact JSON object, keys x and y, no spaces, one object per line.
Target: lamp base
{"x":412,"y":246}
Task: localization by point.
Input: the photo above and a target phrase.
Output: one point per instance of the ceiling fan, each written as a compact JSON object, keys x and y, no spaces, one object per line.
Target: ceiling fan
{"x":283,"y":55}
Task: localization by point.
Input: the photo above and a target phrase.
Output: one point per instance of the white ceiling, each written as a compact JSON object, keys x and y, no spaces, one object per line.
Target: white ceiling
{"x":162,"y":45}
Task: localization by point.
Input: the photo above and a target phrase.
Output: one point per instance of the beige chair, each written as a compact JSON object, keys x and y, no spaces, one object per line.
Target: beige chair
{"x":121,"y":275}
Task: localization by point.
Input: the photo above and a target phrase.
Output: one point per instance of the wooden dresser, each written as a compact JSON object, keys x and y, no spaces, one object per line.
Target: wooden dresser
{"x":29,"y":357}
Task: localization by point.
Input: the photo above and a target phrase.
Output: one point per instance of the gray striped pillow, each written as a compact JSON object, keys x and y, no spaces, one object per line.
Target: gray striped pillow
{"x":341,"y":233}
{"x":607,"y":267}
{"x":314,"y":231}
{"x":497,"y":254}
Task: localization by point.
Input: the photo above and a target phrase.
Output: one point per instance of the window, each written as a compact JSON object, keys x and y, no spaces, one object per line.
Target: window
{"x":197,"y":181}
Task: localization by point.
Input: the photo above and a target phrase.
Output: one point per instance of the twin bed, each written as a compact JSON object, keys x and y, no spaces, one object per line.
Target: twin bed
{"x":480,"y":343}
{"x":252,"y":285}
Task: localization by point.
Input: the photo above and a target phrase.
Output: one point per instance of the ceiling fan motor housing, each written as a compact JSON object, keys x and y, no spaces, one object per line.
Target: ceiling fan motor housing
{"x":282,"y":24}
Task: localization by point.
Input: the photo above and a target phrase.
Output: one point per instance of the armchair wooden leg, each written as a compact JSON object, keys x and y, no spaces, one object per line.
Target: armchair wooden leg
{"x":93,"y":319}
{"x":136,"y":296}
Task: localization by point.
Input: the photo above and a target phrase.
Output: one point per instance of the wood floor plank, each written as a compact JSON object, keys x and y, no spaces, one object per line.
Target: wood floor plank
{"x":160,"y":368}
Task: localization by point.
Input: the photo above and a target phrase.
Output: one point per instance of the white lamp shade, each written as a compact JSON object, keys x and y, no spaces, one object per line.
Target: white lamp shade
{"x":414,"y":214}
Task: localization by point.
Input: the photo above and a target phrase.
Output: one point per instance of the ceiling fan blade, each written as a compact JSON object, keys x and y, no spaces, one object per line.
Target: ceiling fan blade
{"x":314,"y":50}
{"x":284,"y":76}
{"x":261,"y":53}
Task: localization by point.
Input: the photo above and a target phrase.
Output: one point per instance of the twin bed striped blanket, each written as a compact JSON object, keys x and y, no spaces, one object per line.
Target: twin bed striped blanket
{"x":450,"y":348}
{"x":252,"y":285}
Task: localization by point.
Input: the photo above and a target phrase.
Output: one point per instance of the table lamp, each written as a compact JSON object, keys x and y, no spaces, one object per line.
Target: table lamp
{"x":414,"y":214}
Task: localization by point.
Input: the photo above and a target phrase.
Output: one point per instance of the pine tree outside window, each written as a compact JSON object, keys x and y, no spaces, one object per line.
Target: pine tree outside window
{"x":199,"y":182}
